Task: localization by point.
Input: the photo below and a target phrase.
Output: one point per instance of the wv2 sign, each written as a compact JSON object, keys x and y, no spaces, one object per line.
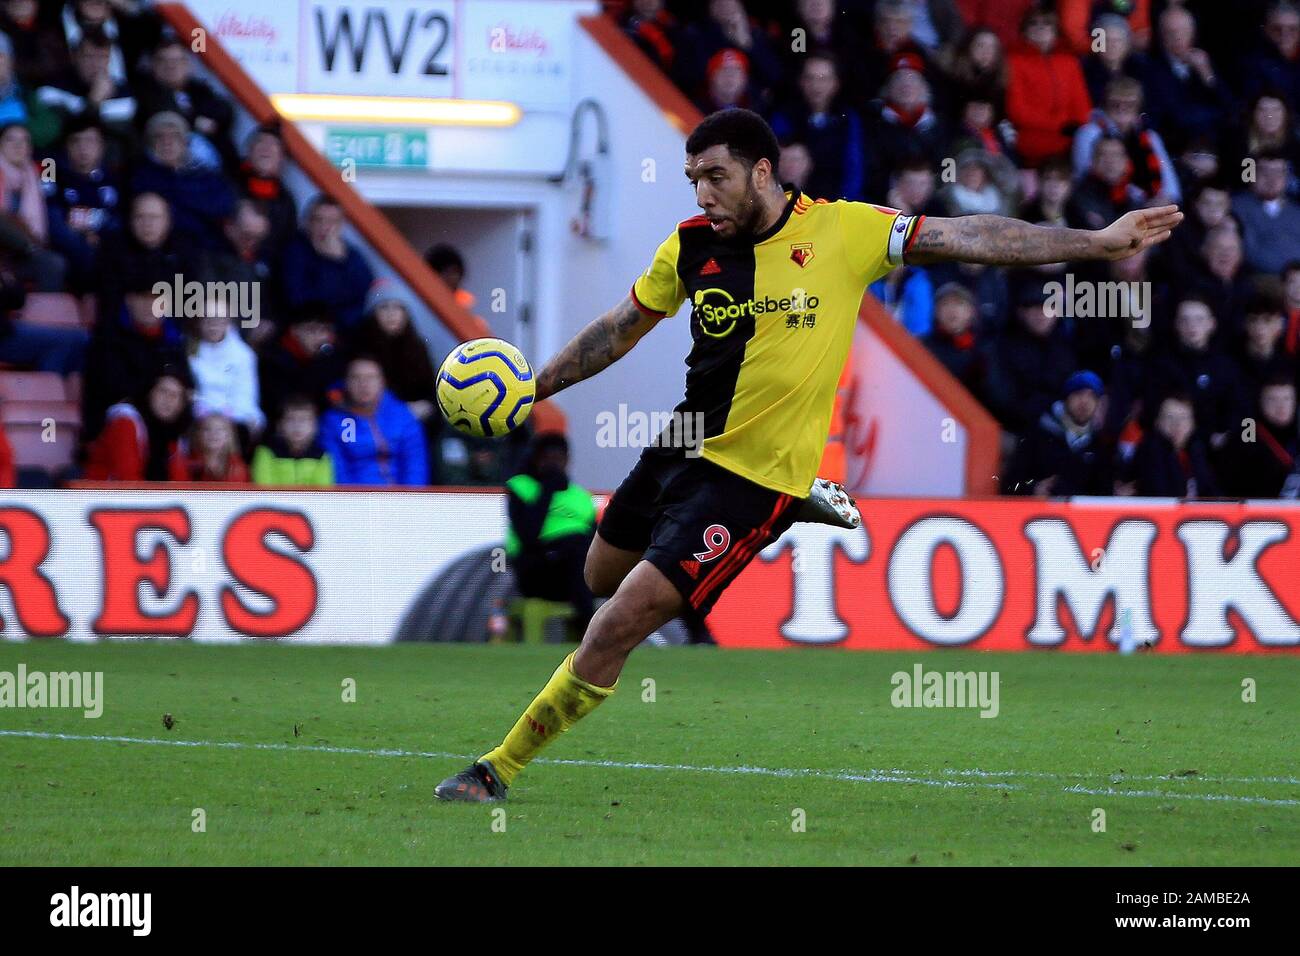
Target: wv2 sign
{"x":381,"y":49}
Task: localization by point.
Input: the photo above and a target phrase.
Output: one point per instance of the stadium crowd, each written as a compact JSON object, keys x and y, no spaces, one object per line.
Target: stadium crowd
{"x":119,"y":171}
{"x":1172,"y":373}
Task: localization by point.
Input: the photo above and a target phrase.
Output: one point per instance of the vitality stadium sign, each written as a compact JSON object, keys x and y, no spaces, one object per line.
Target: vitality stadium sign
{"x":372,"y":566}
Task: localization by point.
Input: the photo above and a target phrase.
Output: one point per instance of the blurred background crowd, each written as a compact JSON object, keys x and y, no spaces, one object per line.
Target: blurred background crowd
{"x":119,"y":171}
{"x":1068,"y":112}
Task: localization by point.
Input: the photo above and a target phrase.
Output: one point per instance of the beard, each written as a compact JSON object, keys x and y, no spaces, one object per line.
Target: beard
{"x":749,"y":213}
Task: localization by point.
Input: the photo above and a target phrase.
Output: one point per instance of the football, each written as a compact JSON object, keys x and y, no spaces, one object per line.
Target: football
{"x":486,"y":388}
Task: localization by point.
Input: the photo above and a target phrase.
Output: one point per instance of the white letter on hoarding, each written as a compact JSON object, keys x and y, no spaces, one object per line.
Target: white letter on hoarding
{"x":813,"y":619}
{"x":911,"y":588}
{"x":1062,"y":569}
{"x":1214,"y":585}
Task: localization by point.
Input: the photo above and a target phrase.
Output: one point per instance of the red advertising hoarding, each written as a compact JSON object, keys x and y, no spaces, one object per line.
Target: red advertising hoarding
{"x":1019,"y":574}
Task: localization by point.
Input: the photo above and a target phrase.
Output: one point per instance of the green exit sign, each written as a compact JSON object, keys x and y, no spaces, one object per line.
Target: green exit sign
{"x":377,"y":147}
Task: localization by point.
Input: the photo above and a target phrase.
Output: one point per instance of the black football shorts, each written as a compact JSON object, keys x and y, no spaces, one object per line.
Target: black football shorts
{"x":696,"y":522}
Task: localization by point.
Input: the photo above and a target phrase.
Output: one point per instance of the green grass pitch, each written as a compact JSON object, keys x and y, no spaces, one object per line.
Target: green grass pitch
{"x":1185,"y":771}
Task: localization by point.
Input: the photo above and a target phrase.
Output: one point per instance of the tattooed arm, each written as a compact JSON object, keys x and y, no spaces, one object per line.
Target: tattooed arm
{"x":998,"y":241}
{"x":595,"y":348}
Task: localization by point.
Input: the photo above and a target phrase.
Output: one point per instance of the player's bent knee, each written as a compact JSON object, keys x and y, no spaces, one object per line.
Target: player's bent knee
{"x":606,"y":567}
{"x":598,"y":581}
{"x":645,"y":602}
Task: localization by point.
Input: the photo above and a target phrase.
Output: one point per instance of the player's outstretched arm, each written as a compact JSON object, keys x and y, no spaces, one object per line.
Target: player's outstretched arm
{"x":999,"y":241}
{"x":598,"y":346}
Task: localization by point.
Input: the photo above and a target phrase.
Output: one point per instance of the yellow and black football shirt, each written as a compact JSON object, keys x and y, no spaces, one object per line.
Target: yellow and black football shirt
{"x":772,"y":321}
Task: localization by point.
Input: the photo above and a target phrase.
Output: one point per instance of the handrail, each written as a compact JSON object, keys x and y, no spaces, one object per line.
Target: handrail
{"x":382,"y":236}
{"x":985,"y":434}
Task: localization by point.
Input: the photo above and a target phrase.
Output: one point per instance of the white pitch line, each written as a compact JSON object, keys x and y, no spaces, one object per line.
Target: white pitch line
{"x":1118,"y":776}
{"x":1165,"y":794}
{"x":868,"y":776}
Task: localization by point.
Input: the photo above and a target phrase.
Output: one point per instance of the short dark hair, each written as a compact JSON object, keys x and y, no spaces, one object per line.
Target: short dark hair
{"x":298,"y":402}
{"x":1269,"y":155}
{"x":745,"y":134}
{"x":441,"y":256}
{"x":918,"y":164}
{"x":322,"y":201}
{"x":314,"y":310}
{"x":168,"y":40}
{"x":1264,"y":302}
{"x":547,"y":442}
{"x":363,"y":356}
{"x":95,"y":36}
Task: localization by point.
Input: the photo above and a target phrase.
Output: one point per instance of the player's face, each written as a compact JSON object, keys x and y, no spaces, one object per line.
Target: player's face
{"x":727,"y":190}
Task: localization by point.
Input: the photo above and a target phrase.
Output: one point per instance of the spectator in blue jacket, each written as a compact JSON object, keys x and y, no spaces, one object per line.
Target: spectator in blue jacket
{"x":321,"y":267}
{"x":199,"y":196}
{"x":13,"y":102}
{"x":371,"y":436}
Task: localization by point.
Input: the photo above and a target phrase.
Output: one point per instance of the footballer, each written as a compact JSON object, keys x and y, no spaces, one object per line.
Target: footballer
{"x":775,"y":280}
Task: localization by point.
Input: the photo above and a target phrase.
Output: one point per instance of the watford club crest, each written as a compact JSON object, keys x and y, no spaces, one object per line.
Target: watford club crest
{"x":801,"y":253}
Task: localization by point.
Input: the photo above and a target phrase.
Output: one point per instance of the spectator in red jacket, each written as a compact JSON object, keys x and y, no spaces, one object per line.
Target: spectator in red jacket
{"x":209,"y":453}
{"x":1079,"y":16}
{"x":139,"y":437}
{"x":1047,"y":98}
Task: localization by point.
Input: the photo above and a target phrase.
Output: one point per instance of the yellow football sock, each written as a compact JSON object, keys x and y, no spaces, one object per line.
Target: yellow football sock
{"x":565,"y":700}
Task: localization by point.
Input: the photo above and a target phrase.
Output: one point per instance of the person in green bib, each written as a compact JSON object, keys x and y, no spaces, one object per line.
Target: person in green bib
{"x":552,"y":521}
